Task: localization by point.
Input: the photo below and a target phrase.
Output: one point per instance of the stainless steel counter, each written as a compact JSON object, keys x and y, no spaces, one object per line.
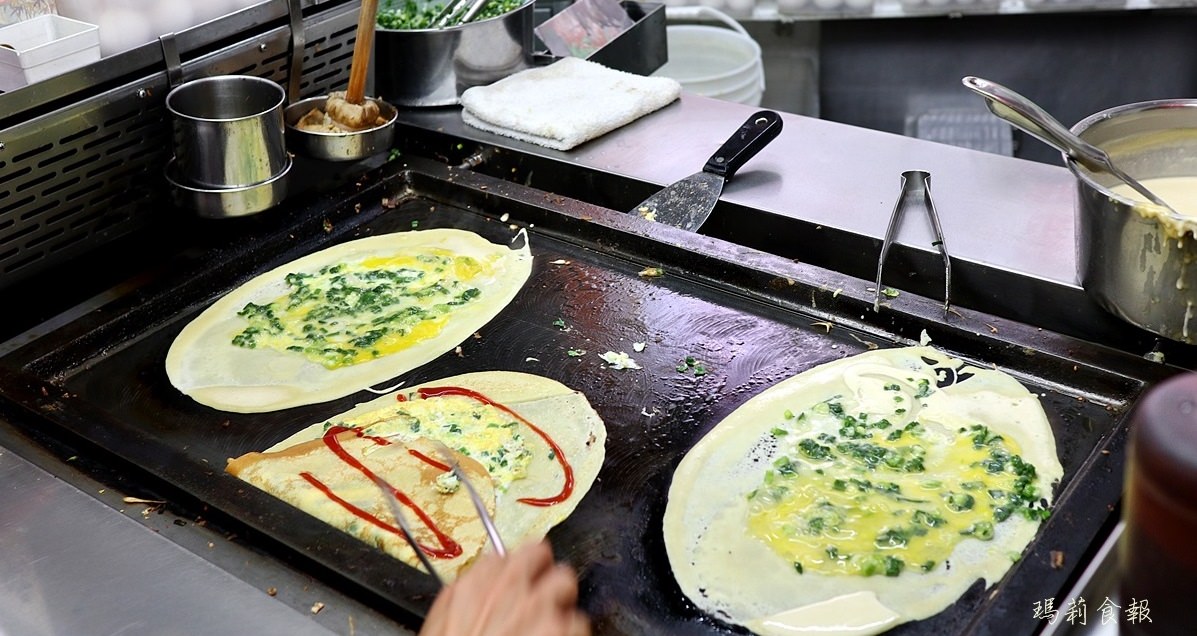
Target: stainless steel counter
{"x":1008,"y":223}
{"x":79,"y":556}
{"x":1009,"y":213}
{"x":75,"y":558}
{"x":73,"y":566}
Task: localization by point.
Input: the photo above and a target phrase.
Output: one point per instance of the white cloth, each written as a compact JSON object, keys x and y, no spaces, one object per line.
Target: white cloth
{"x":565,"y":103}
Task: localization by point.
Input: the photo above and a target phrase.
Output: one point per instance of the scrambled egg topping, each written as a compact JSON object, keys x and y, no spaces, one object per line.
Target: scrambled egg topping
{"x":488,"y":435}
{"x":862,"y":490}
{"x":352,"y":312}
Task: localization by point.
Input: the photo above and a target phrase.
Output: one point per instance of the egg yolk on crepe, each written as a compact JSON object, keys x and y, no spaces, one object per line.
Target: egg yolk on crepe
{"x":344,"y":318}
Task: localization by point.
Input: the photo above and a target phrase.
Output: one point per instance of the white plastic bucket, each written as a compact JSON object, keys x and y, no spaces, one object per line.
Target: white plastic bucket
{"x":713,"y":61}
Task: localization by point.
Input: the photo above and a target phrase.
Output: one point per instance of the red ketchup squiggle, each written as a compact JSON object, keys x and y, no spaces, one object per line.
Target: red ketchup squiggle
{"x":430,"y":461}
{"x":566,"y":490}
{"x":448,"y":547}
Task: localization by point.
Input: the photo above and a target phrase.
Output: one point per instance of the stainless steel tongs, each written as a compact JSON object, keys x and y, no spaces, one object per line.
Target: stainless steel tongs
{"x":451,"y":15}
{"x":916,"y":192}
{"x":479,"y":507}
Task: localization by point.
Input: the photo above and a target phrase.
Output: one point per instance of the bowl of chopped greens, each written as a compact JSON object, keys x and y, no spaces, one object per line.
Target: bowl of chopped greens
{"x":427,"y":52}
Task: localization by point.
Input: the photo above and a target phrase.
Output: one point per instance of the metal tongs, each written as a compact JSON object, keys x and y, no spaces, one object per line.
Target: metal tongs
{"x":448,"y":15}
{"x":479,"y":507}
{"x":916,"y":192}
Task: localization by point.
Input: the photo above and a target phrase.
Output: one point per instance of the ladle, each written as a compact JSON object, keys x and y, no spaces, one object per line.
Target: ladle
{"x":1029,"y":117}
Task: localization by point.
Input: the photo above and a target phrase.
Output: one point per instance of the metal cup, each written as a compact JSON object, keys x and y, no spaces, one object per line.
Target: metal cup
{"x":228,"y":130}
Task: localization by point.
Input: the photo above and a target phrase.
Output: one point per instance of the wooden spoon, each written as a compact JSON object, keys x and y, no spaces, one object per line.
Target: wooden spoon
{"x":361,"y":52}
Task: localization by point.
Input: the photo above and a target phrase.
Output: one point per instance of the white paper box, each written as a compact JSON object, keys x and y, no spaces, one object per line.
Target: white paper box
{"x":43,"y":47}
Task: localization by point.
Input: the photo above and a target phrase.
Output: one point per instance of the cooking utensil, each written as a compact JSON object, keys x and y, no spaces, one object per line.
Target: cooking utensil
{"x":687,"y":203}
{"x":1029,"y":117}
{"x":228,"y":131}
{"x":1134,"y":259}
{"x":479,"y":506}
{"x":473,"y":10}
{"x":441,"y":19}
{"x":433,"y":67}
{"x":452,"y":14}
{"x":90,"y":380}
{"x":389,"y":494}
{"x":220,"y":203}
{"x":338,"y":146}
{"x":362,"y":48}
{"x":346,"y":145}
{"x":916,"y":193}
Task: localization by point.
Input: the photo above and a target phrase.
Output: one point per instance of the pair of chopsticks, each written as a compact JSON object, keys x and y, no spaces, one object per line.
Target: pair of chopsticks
{"x":479,"y":507}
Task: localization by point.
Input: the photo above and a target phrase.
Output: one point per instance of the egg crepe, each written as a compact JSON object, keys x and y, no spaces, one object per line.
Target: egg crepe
{"x":333,"y":479}
{"x":540,"y":443}
{"x":861,"y":494}
{"x":344,"y":318}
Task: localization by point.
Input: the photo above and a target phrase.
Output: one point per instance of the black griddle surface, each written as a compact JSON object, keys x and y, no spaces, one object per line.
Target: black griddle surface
{"x":751,"y":318}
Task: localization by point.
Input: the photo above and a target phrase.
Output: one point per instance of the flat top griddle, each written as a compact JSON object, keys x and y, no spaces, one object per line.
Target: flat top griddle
{"x":753,"y":319}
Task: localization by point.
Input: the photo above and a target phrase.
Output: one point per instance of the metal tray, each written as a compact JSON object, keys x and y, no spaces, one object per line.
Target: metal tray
{"x":753,"y":318}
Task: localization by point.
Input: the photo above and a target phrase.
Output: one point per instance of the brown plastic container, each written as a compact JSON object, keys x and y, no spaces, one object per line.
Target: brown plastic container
{"x":1158,"y":552}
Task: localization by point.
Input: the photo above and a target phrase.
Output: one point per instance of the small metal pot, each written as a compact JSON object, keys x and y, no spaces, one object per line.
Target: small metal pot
{"x":338,"y":146}
{"x":224,"y":203}
{"x":228,"y":130}
{"x":433,"y":67}
{"x":1133,"y":263}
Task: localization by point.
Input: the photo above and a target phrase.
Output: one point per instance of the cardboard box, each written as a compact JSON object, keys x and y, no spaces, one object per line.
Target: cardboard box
{"x":43,"y":47}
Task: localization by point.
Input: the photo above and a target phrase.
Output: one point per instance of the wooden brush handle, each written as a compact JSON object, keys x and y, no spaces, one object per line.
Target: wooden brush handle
{"x":356,"y":92}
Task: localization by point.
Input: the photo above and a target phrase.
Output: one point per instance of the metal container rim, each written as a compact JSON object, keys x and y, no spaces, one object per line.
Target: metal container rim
{"x":195,"y":84}
{"x":294,"y":112}
{"x":1111,"y":113}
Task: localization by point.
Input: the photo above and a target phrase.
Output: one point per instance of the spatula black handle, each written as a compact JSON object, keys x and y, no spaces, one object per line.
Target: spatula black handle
{"x":761,"y":128}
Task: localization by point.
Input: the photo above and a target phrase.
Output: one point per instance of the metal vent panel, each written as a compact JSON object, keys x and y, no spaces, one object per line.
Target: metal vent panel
{"x":81,"y":176}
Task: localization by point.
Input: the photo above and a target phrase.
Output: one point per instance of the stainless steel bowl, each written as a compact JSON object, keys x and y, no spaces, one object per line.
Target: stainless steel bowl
{"x":219,"y":203}
{"x":433,"y":67}
{"x":338,"y":146}
{"x":1135,"y":265}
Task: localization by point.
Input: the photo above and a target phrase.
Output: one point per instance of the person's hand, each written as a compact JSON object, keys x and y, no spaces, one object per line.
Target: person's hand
{"x":524,"y":594}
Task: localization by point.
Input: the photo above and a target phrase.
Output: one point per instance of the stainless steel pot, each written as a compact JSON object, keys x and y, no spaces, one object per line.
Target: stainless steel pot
{"x":228,"y":130}
{"x":338,"y":146}
{"x":1132,"y":262}
{"x":433,"y":67}
{"x":225,"y":203}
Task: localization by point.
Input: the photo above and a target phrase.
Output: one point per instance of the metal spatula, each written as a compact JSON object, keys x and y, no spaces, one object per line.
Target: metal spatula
{"x":688,"y":202}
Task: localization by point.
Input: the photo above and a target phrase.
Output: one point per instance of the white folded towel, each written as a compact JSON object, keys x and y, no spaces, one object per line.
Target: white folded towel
{"x":565,"y":103}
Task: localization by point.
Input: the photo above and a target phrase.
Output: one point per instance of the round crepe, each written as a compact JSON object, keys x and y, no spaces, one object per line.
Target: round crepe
{"x":563,"y":414}
{"x":203,"y":363}
{"x":730,"y":573}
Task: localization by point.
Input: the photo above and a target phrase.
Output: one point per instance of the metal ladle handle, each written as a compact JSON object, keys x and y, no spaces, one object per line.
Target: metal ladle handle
{"x":1029,"y":117}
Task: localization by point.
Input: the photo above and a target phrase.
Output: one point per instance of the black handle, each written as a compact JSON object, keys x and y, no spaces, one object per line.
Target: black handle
{"x":761,"y":128}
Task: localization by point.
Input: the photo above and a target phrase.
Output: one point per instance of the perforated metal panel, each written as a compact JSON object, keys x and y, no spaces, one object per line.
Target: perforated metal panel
{"x":90,"y":172}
